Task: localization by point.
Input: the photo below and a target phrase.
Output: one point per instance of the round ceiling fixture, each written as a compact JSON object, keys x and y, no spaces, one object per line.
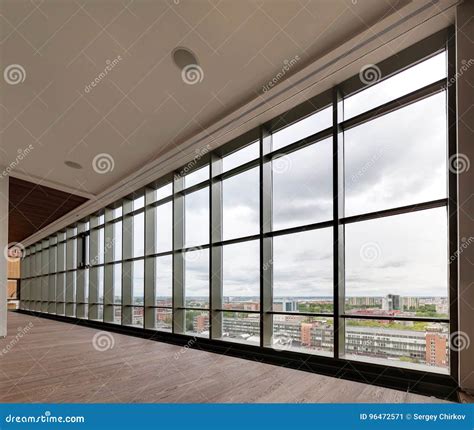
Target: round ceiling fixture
{"x":73,"y":165}
{"x":183,"y":57}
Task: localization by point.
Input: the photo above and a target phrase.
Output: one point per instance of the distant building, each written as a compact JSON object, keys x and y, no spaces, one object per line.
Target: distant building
{"x":391,"y":302}
{"x":437,"y":349}
{"x":363,"y":301}
{"x":428,"y":347}
{"x":284,"y":305}
{"x":410,"y":303}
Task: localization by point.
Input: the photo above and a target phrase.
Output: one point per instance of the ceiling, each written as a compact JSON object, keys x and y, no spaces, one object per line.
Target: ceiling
{"x":142,"y":107}
{"x":33,"y":206}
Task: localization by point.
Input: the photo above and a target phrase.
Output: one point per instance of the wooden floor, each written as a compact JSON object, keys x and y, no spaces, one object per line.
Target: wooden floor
{"x":57,"y":362}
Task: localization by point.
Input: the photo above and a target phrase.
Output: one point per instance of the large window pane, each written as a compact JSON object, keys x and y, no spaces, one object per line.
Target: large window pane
{"x":241,"y":276}
{"x":117,"y":283}
{"x":139,"y":202}
{"x":197,"y":218}
{"x":310,"y":335}
{"x":164,"y":280}
{"x":137,"y":316}
{"x":242,"y":156}
{"x":241,"y":327}
{"x":197,"y":323}
{"x":304,"y":128}
{"x":138,"y":234}
{"x":100,"y":284}
{"x":162,"y":192}
{"x":387,"y":165}
{"x":303,"y":271}
{"x":196,"y":177}
{"x":302,"y":186}
{"x":164,"y":319}
{"x":164,"y":227}
{"x":411,"y":344}
{"x":137,"y":282}
{"x":118,"y":240}
{"x":403,"y":83}
{"x":398,"y":265}
{"x":196,"y":281}
{"x":240,"y":211}
{"x":101,"y":245}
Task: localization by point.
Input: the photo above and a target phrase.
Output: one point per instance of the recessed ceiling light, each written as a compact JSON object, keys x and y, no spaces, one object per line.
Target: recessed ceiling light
{"x":183,"y":57}
{"x":73,"y":164}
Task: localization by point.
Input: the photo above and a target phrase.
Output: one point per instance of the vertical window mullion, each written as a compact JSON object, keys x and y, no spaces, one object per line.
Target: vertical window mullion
{"x":266,"y":257}
{"x":215,"y":261}
{"x":452,"y":198}
{"x":179,"y":320}
{"x":150,"y":246}
{"x":338,"y":228}
{"x":108,"y":268}
{"x":127,"y":254}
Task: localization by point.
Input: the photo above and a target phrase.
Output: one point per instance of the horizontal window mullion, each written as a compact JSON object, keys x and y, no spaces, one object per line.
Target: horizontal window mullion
{"x":236,"y":170}
{"x":302,"y":314}
{"x":396,"y":211}
{"x":394,"y":105}
{"x":394,"y":318}
{"x":307,"y":227}
{"x":299,"y":144}
{"x":237,"y":311}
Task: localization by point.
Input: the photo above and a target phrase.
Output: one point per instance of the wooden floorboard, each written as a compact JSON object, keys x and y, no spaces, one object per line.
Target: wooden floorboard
{"x":57,"y":362}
